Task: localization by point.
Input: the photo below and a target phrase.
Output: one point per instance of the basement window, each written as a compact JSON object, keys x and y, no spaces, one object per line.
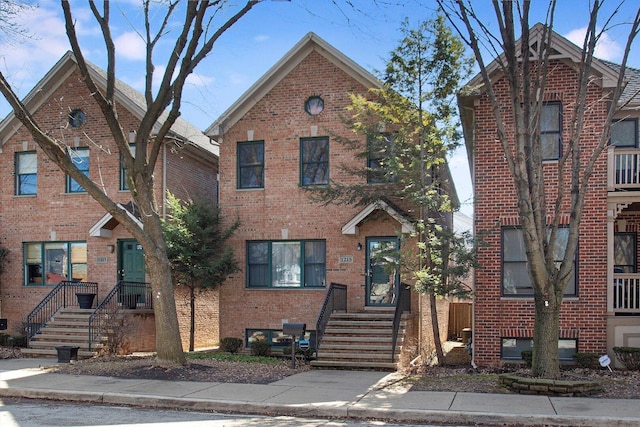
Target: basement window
{"x":512,"y":348}
{"x":275,"y":337}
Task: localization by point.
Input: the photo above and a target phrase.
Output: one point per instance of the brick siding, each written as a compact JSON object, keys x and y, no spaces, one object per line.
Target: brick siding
{"x":53,"y":215}
{"x":582,"y":317}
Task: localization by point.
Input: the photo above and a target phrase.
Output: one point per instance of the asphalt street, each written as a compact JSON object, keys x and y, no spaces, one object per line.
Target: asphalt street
{"x":42,"y":413}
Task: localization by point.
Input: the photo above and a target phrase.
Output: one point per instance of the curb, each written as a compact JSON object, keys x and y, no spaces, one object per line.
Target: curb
{"x":350,"y":412}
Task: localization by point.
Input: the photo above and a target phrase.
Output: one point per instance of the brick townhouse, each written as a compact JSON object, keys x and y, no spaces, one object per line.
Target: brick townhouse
{"x":276,"y":141}
{"x":601,"y":308}
{"x":54,"y":230}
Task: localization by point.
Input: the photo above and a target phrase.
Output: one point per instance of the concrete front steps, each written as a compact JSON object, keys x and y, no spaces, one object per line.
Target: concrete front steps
{"x":69,"y":327}
{"x":360,"y":341}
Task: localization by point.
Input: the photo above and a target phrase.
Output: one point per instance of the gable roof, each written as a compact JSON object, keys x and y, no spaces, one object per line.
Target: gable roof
{"x":561,"y":49}
{"x":309,"y":43}
{"x":351,"y":227}
{"x":130,"y":98}
{"x":106,"y":224}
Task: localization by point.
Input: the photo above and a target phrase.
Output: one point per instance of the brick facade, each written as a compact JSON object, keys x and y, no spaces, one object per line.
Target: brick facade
{"x":584,"y":316}
{"x":55,"y":215}
{"x":282,"y":210}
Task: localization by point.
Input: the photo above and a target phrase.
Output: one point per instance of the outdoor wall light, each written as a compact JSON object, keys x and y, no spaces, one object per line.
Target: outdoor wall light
{"x":111,"y":248}
{"x":359,"y":247}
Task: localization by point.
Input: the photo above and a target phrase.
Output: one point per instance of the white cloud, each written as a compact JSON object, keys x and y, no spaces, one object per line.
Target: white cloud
{"x":129,"y":45}
{"x":607,"y":48}
{"x":25,"y":60}
{"x":261,"y":38}
{"x":196,"y":79}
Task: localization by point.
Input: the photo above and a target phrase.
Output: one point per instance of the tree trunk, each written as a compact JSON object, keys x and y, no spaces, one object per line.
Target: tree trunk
{"x":168,"y":341}
{"x":435,"y":328}
{"x":545,"y":337}
{"x":192,"y":328}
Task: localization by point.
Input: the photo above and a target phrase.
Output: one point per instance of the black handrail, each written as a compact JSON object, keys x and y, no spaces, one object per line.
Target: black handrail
{"x":124,"y":295}
{"x":336,"y":299}
{"x":403,"y":304}
{"x":61,"y":296}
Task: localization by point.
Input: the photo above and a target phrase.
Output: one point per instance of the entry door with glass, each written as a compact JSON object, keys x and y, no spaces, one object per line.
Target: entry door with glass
{"x":382,"y":274}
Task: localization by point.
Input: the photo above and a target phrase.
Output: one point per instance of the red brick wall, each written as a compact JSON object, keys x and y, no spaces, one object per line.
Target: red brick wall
{"x":582,"y":317}
{"x":280,"y":120}
{"x":207,"y":313}
{"x":55,"y":215}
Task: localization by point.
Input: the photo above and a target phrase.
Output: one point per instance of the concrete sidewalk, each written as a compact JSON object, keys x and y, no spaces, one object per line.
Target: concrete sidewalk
{"x":318,"y":393}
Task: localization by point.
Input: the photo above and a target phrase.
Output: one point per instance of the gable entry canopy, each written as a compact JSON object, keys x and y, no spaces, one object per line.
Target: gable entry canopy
{"x":351,"y":227}
{"x":107,"y":223}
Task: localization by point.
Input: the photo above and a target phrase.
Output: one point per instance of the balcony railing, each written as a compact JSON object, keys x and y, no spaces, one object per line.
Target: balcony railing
{"x":623,"y":168}
{"x":625,"y":293}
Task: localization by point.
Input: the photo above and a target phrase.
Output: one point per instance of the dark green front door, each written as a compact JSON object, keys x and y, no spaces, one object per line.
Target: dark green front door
{"x":131,"y":261}
{"x":382,"y":275}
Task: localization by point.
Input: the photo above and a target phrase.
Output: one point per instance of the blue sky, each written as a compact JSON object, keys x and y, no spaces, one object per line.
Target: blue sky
{"x":366,"y":33}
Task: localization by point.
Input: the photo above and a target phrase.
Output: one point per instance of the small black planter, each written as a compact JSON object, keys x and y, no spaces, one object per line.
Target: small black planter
{"x":85,"y":300}
{"x":67,"y":353}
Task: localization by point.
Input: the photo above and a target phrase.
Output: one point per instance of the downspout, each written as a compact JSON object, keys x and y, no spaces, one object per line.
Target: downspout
{"x":470,"y":157}
{"x":164,"y":181}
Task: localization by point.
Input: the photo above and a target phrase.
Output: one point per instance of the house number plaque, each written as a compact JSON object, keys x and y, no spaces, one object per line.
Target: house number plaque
{"x":346,"y":259}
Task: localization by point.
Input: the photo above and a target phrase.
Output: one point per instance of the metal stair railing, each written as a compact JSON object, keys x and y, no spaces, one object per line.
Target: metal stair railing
{"x":123,"y":295}
{"x":336,"y":299}
{"x":61,"y":296}
{"x":403,"y":304}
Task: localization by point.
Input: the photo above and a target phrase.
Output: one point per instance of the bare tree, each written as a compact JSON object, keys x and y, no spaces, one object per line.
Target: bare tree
{"x":192,"y":42}
{"x":526,"y":66}
{"x":9,"y":10}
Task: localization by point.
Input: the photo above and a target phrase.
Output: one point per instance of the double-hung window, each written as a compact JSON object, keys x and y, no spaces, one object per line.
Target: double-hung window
{"x":515,"y":274}
{"x":379,"y":152}
{"x":314,"y":161}
{"x":26,"y":164}
{"x":551,"y":131}
{"x":124,"y":174}
{"x":624,"y":133}
{"x":80,"y":157}
{"x":49,"y":263}
{"x":624,"y":252}
{"x":251,"y":164}
{"x":286,"y":264}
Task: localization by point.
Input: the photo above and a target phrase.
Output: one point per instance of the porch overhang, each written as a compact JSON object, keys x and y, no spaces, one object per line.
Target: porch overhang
{"x":105,"y":225}
{"x":351,"y":227}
